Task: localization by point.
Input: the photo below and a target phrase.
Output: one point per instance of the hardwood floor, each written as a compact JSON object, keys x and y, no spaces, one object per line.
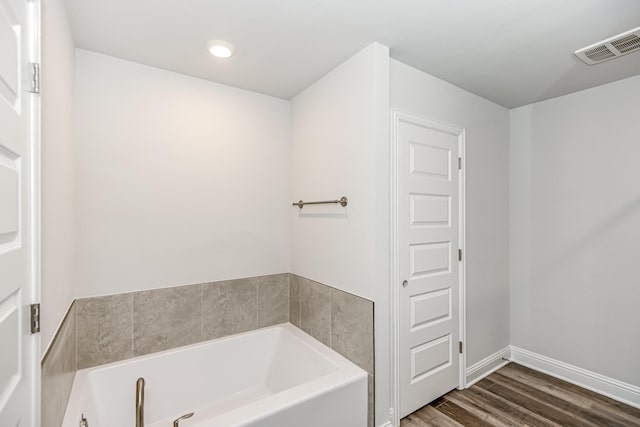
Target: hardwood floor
{"x":519,"y":396}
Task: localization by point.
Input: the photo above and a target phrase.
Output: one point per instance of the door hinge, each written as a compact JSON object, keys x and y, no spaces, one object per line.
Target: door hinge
{"x":35,"y":318}
{"x":459,"y":254}
{"x":459,"y":163}
{"x":460,"y":346}
{"x":35,"y":77}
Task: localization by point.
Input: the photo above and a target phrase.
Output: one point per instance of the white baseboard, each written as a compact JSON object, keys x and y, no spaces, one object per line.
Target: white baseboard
{"x":387,"y":424}
{"x":487,"y":366}
{"x":618,"y":390}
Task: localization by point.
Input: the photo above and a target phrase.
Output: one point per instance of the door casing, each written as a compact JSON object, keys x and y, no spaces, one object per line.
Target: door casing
{"x":31,"y":361}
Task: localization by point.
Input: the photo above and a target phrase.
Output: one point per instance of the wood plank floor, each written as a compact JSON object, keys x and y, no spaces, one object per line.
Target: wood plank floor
{"x":519,"y":396}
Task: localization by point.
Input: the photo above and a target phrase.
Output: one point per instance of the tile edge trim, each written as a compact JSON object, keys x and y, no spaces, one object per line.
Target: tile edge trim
{"x":56,"y":334}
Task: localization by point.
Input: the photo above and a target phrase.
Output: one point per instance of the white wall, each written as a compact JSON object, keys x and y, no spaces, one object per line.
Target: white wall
{"x":333,"y":133}
{"x":340,"y":140}
{"x":178,"y":180}
{"x":575,"y":229}
{"x":487,"y":193}
{"x":57,"y":76}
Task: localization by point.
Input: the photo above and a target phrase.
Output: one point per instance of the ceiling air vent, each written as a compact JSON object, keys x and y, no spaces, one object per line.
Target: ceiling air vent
{"x":610,"y":48}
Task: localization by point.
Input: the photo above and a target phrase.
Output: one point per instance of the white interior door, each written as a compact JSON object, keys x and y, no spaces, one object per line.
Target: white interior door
{"x":19,"y":367}
{"x":428,"y":233}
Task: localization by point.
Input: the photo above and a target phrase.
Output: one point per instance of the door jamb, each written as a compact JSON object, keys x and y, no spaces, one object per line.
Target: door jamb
{"x":35,"y":54}
{"x":398,"y":116}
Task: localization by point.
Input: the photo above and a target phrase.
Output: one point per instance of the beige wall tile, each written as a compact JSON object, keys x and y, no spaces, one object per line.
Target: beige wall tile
{"x":104,"y":326}
{"x":352,"y":328}
{"x":58,"y":371}
{"x":166,"y":318}
{"x":229,"y":307}
{"x":294,"y":299}
{"x":273,"y":299}
{"x":338,"y":319}
{"x":315,"y":310}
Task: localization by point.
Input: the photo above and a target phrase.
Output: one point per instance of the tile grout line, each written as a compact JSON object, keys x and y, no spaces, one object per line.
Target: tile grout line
{"x":330,"y":317}
{"x":300,"y":305}
{"x":133,"y":334}
{"x":257,"y":303}
{"x":75,"y":321}
{"x":288,"y":298}
{"x":299,"y":302}
{"x":297,"y":320}
{"x":201,"y":312}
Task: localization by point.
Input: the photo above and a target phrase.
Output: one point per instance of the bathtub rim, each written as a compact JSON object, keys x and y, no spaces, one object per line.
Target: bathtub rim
{"x":346,"y":373}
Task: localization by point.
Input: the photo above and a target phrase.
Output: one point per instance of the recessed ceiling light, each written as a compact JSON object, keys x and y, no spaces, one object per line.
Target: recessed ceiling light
{"x":220,"y":48}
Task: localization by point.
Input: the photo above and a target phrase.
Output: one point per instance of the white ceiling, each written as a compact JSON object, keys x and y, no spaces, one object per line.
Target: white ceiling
{"x":513,"y":52}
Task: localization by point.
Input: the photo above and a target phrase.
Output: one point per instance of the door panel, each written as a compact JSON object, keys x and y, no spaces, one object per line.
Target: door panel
{"x":18,"y":354}
{"x":10,"y":48}
{"x":429,"y":210}
{"x":430,"y":357}
{"x":430,"y":258}
{"x":430,"y":307}
{"x":430,"y":160}
{"x":8,"y":198}
{"x":428,"y":228}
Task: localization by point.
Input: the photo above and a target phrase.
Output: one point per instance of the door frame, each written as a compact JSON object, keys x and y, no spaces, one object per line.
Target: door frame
{"x":35,"y":9}
{"x":397,"y":117}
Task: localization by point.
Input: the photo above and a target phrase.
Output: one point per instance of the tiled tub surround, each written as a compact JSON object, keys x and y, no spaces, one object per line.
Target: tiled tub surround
{"x":338,"y":319}
{"x":117,"y":327}
{"x":121,"y":326}
{"x":58,"y":371}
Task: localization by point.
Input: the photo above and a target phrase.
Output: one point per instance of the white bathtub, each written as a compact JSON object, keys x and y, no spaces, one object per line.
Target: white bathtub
{"x":272,"y":377}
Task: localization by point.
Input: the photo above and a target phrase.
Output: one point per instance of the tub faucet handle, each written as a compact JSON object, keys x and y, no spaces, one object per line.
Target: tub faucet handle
{"x":177,"y":420}
{"x":140,"y":402}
